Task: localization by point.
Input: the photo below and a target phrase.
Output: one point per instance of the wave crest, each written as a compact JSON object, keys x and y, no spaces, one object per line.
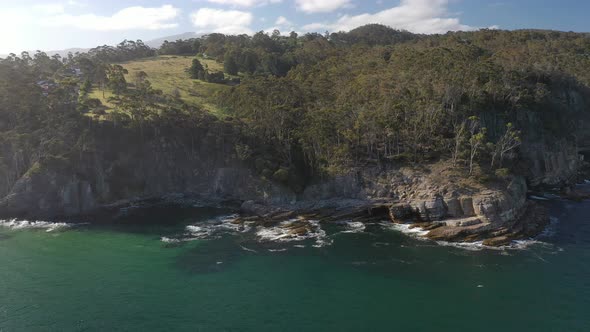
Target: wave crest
{"x":27,"y":224}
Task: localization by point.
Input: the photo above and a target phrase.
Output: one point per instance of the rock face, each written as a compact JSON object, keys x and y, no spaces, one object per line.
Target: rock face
{"x":49,"y":194}
{"x":552,"y":166}
{"x":434,"y":198}
{"x":52,"y":194}
{"x":437,"y":196}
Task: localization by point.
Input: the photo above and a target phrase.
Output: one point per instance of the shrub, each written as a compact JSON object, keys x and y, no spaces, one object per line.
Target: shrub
{"x":282,"y":175}
{"x":503,"y":173}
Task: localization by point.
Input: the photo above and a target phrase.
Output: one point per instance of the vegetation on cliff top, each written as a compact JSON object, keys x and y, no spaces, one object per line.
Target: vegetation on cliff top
{"x":295,"y":106}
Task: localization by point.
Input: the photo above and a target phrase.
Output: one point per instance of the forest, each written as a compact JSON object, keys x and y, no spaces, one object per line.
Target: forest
{"x":302,"y":107}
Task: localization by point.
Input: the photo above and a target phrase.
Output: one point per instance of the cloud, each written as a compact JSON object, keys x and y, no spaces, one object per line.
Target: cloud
{"x":281,"y":24}
{"x":322,"y":6}
{"x":418,"y":16}
{"x":245,"y":3}
{"x":49,"y":8}
{"x":282,"y":20}
{"x":131,"y":18}
{"x":230,"y":22}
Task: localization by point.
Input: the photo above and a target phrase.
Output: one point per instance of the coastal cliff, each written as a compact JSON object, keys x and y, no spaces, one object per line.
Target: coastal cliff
{"x":193,"y":166}
{"x":447,"y":133}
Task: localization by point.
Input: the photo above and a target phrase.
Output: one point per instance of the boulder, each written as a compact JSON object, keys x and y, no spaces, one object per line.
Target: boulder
{"x":467,"y":206}
{"x":401,"y":212}
{"x":257,"y":209}
{"x":454,"y":209}
{"x":431,"y":210}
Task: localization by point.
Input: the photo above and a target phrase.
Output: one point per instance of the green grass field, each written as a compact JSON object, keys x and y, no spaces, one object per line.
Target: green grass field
{"x":168,"y":73}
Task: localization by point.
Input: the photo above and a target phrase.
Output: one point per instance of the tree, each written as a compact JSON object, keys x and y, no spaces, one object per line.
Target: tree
{"x":508,"y":142}
{"x":140,"y":77}
{"x":459,"y":131}
{"x":197,"y":71}
{"x":116,"y":79}
{"x":230,"y":64}
{"x":476,"y":140}
{"x":248,"y":61}
{"x":86,"y":87}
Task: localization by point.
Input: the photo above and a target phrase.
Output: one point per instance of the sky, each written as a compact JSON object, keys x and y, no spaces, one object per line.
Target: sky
{"x":59,"y":24}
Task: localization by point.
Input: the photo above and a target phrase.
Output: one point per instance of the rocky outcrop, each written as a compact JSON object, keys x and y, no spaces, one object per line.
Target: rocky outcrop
{"x":48,"y":195}
{"x":555,"y":165}
{"x":51,"y":194}
{"x":449,"y":210}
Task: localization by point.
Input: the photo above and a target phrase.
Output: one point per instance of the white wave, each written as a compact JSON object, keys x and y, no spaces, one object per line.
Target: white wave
{"x":354,"y":227}
{"x":282,"y":233}
{"x":248,"y":249}
{"x":550,"y":229}
{"x":477,"y":246}
{"x":551,"y":196}
{"x":228,"y":223}
{"x":205,"y":230}
{"x":538,"y":198}
{"x":523,"y":244}
{"x":277,"y":250}
{"x":26,"y":224}
{"x":471,"y":246}
{"x":407,"y":229}
{"x":199,"y":232}
{"x":180,"y":239}
{"x":419,"y":233}
{"x":169,"y":240}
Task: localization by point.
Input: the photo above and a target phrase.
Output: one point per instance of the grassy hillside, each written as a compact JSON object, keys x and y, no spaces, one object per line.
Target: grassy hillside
{"x":168,"y":73}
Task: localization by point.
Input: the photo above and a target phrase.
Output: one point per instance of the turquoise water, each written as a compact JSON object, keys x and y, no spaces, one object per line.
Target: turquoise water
{"x":125,"y":278}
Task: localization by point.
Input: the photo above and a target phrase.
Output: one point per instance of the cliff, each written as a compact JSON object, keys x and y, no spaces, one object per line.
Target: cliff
{"x":200,"y":161}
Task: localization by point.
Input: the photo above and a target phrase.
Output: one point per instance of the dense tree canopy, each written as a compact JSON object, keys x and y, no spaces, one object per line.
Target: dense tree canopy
{"x":314,"y":104}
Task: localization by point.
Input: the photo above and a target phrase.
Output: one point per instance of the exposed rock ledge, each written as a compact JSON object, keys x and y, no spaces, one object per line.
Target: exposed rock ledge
{"x":437,"y":198}
{"x":450,"y":212}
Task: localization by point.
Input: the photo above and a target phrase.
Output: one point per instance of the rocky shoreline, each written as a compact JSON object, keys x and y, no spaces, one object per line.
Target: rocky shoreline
{"x":456,"y":230}
{"x":438,"y":200}
{"x":437,"y":203}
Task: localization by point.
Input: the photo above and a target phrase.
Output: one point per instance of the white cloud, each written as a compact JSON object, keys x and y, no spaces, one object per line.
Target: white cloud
{"x":282,"y":20}
{"x":77,"y":3}
{"x":13,"y":22}
{"x":131,"y":18}
{"x":245,"y":3}
{"x":49,"y":8}
{"x":418,"y":16}
{"x":222,"y":21}
{"x":322,"y":6}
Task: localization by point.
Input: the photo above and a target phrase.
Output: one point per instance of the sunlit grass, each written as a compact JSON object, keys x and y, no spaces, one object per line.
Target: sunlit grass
{"x":169,"y":74}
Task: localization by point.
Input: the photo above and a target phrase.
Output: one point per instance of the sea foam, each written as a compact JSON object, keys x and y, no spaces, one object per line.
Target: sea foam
{"x":26,"y":224}
{"x":281,"y":233}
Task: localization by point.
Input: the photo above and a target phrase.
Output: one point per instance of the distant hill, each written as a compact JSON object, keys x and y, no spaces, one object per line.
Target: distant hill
{"x":155,"y":43}
{"x":64,"y":53}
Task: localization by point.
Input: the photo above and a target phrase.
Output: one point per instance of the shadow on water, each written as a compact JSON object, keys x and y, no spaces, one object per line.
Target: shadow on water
{"x":571,"y":225}
{"x":211,"y":256}
{"x":159,"y":220}
{"x":4,"y":237}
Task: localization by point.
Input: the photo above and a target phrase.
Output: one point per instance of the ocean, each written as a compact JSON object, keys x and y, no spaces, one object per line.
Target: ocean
{"x":193,"y":271}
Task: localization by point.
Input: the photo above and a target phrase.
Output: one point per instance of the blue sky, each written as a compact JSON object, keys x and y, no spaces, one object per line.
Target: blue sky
{"x":59,"y":24}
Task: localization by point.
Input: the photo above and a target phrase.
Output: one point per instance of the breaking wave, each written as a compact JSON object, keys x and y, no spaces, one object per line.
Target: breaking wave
{"x":209,"y":229}
{"x":26,"y":224}
{"x":352,"y":227}
{"x":407,"y":229}
{"x":420,"y":234}
{"x":284,"y":233}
